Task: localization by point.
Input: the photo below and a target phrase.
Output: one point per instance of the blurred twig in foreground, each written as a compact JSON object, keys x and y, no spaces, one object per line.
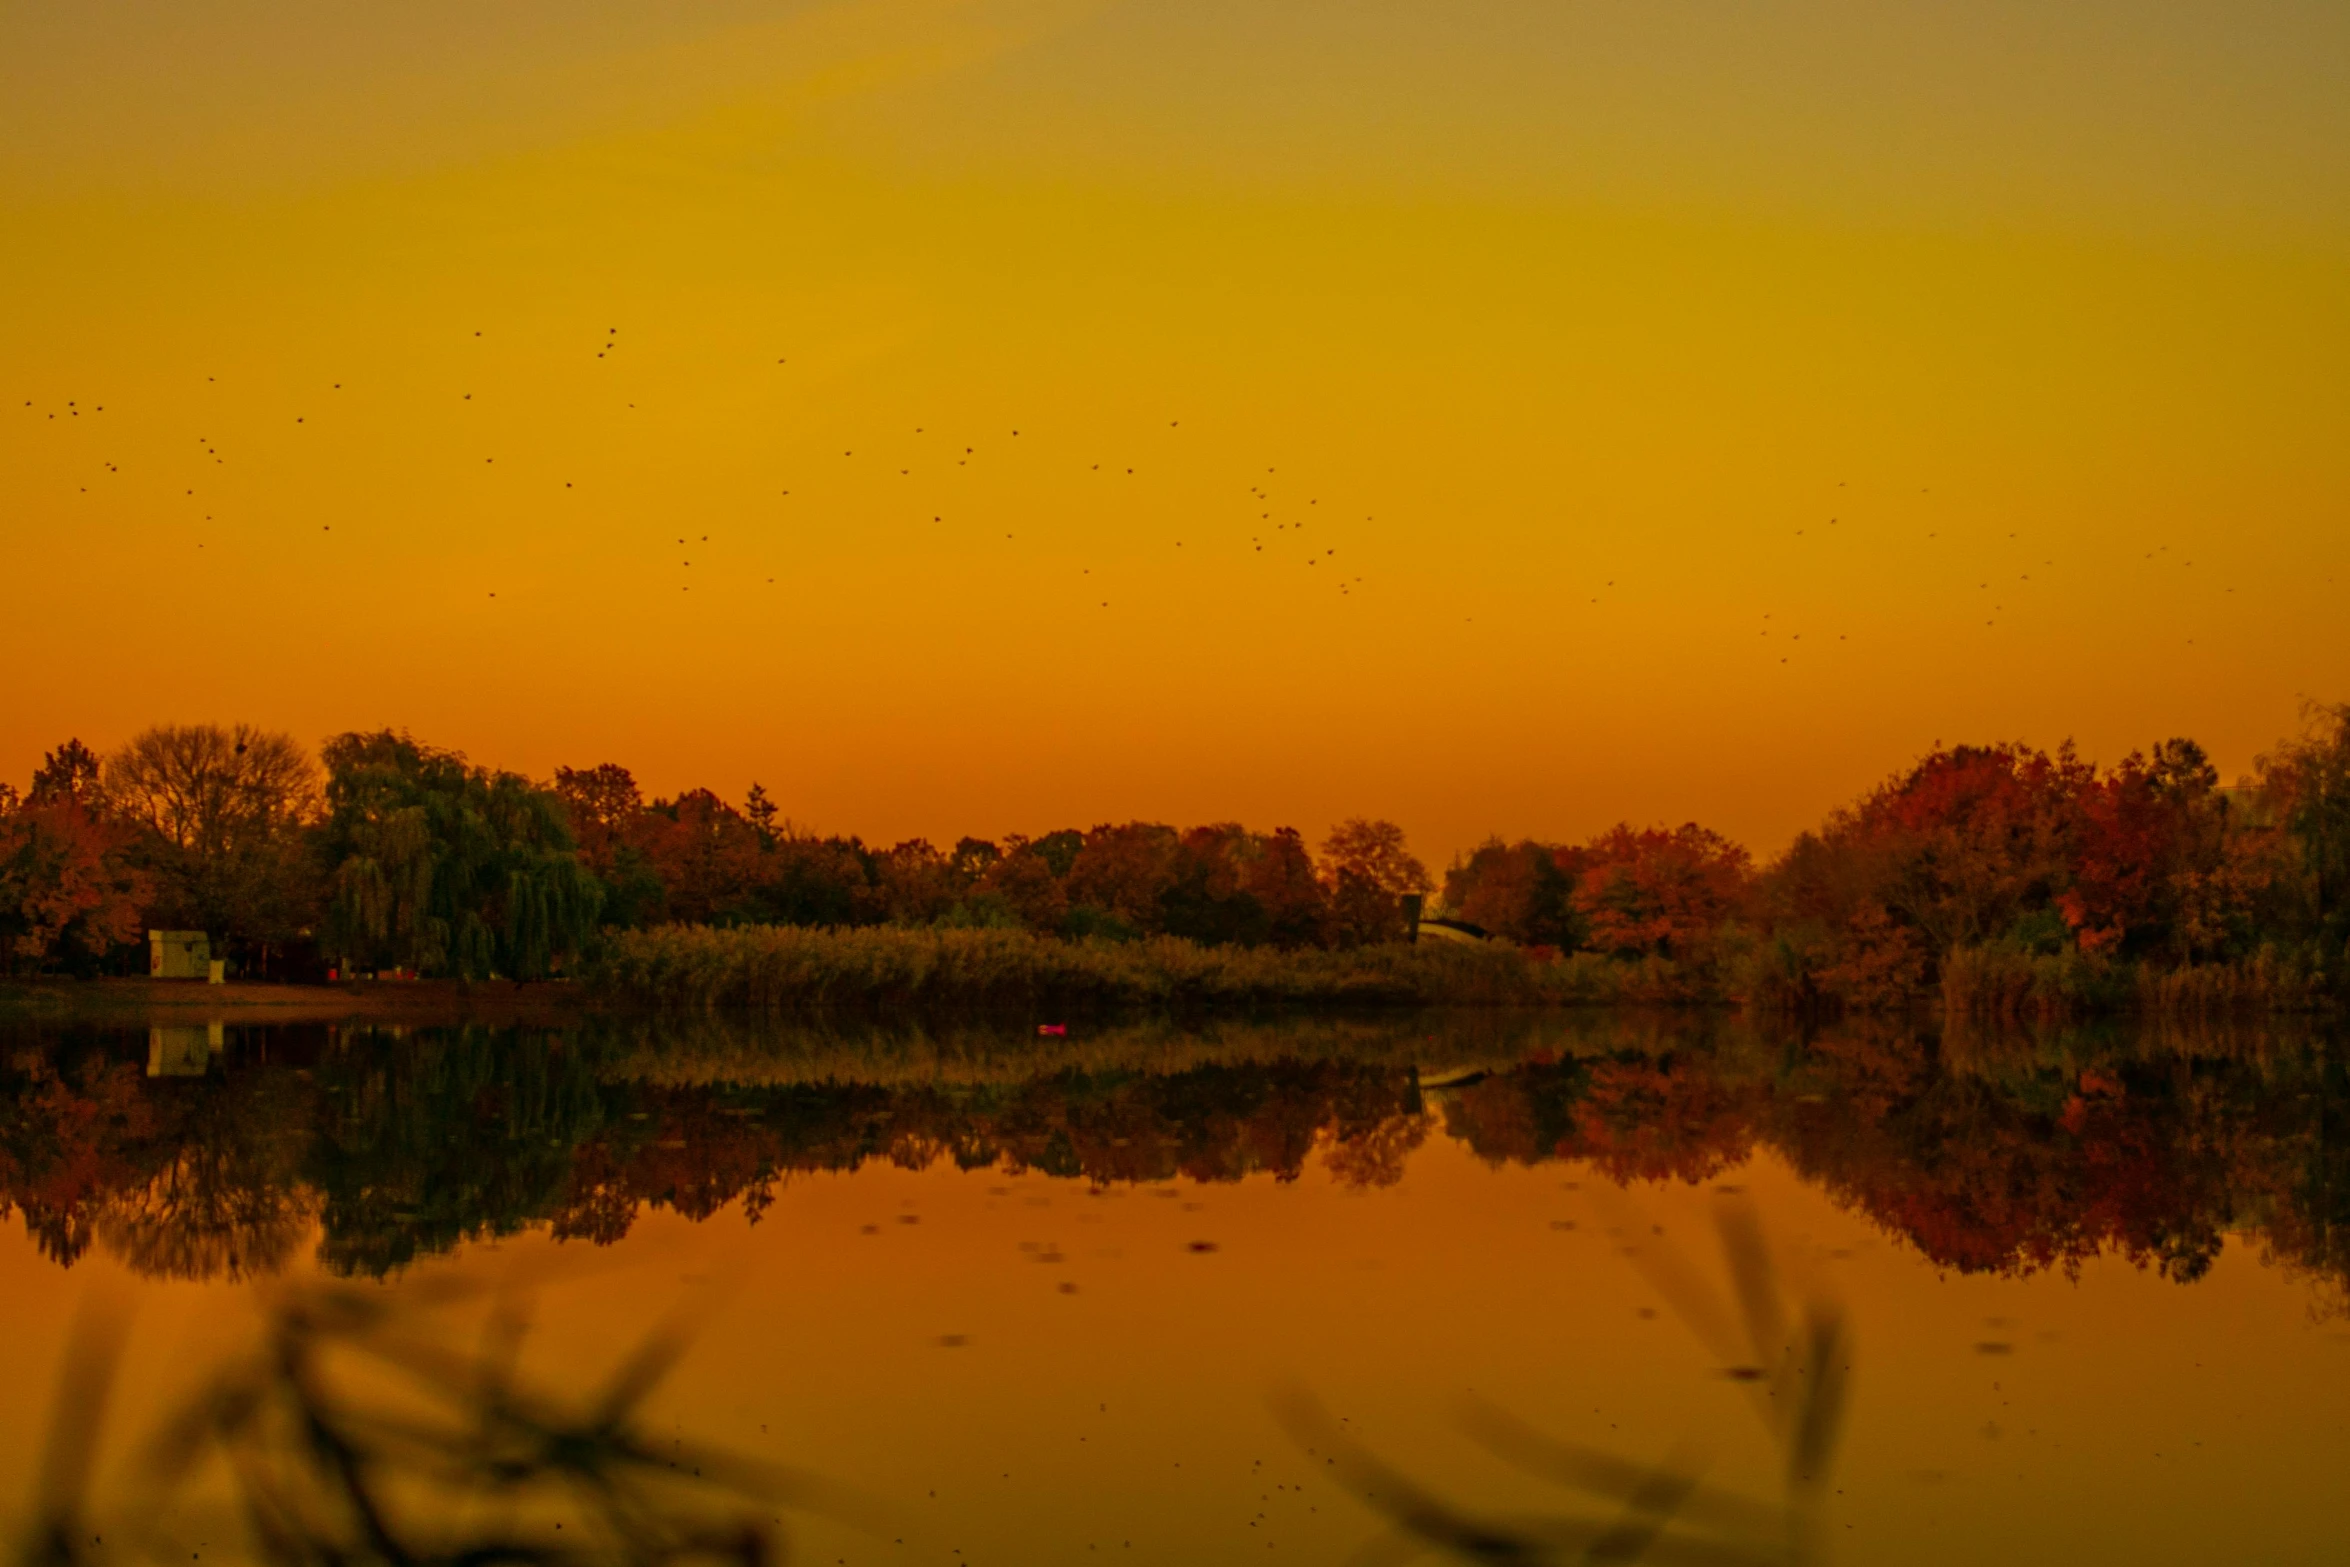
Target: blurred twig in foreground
{"x":1797,"y":1373}
{"x":353,"y":1436}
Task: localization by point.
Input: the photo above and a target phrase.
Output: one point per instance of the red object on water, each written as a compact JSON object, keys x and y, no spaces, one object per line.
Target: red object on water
{"x":1052,"y":1028}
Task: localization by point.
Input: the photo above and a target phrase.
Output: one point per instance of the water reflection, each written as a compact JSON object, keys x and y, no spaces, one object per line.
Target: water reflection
{"x":2006,"y":1152}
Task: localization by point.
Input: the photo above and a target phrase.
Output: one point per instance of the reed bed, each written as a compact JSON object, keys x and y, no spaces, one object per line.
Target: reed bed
{"x":2000,"y":983}
{"x":2262,"y":983}
{"x":2007,"y":984}
{"x":892,"y":969}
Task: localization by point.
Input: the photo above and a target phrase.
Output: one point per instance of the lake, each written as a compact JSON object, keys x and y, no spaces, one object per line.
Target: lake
{"x":1306,"y":1290}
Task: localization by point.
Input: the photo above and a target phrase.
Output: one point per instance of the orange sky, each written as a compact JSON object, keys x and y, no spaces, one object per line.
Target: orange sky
{"x":1596,"y":342}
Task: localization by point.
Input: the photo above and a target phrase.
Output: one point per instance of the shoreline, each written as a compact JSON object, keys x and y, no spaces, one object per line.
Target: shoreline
{"x":136,"y":1002}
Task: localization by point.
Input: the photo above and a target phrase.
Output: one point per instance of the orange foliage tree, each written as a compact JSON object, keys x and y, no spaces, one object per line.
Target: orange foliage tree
{"x":1524,"y":891}
{"x":70,"y":890}
{"x":1368,"y":872}
{"x":1652,"y":891}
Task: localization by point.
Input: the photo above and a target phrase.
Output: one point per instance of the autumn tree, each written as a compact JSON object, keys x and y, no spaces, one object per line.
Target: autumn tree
{"x":1282,"y":879}
{"x":606,"y":814}
{"x":1524,"y":891}
{"x":1979,"y":835}
{"x":1367,"y":872}
{"x":2031,"y":855}
{"x":919,"y":884}
{"x":221,"y":812}
{"x":806,"y":880}
{"x":1207,"y":897}
{"x":69,"y":773}
{"x":1648,"y":891}
{"x":602,"y":805}
{"x":1971,"y":844}
{"x":710,"y":858}
{"x":973,"y":858}
{"x":71,"y":890}
{"x":1116,"y":880}
{"x":2154,"y":872}
{"x":209,"y":790}
{"x":1024,"y":878}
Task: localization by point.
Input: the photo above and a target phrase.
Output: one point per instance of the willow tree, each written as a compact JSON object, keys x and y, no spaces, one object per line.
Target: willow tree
{"x":446,"y":868}
{"x":2305,"y":784}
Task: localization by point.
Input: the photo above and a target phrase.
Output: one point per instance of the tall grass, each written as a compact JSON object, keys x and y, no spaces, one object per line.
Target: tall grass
{"x":2007,"y":983}
{"x":2266,"y":982}
{"x":2003,"y":983}
{"x":893,"y":969}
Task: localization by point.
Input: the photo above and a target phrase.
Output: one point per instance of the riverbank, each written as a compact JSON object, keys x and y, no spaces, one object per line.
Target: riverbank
{"x":1006,"y":976}
{"x":1014,"y":978}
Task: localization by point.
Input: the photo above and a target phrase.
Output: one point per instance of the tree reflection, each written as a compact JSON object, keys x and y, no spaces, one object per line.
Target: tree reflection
{"x":1996,"y":1152}
{"x":444,"y":1136}
{"x":1376,"y":1157}
{"x":77,"y":1131}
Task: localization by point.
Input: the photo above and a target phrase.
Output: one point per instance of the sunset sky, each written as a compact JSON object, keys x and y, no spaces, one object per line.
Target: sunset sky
{"x":1500,"y":416}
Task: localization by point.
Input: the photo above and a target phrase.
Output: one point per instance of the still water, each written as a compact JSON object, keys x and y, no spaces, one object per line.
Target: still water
{"x":1281,"y":1292}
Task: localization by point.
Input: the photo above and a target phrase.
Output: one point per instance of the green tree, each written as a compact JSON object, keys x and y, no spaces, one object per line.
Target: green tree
{"x":453,"y":1135}
{"x":2306,"y":783}
{"x":447,"y":868}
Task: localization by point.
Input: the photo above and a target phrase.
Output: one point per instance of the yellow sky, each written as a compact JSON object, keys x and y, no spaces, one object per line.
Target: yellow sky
{"x":1583,"y":345}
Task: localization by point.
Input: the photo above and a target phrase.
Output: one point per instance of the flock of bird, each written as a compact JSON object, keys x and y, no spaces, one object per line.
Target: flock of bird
{"x":1301,"y":536}
{"x":1345,"y":585}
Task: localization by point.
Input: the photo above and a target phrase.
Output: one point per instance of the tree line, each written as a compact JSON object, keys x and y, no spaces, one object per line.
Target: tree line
{"x":2003,"y":878}
{"x":387,"y":854}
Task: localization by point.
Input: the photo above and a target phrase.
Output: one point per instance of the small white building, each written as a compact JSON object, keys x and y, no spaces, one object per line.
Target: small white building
{"x":179,"y":954}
